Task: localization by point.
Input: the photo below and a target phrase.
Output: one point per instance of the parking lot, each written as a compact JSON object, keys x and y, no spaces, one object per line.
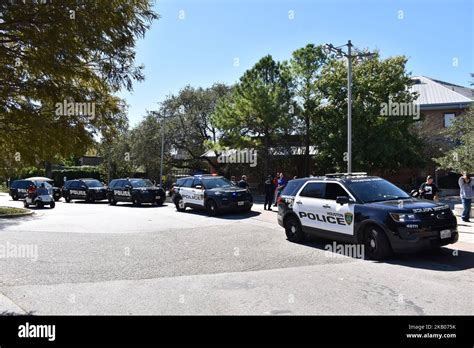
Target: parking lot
{"x":101,"y":259}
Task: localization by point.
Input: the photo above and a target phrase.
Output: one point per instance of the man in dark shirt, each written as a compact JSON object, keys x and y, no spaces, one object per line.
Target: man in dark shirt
{"x":269,"y":193}
{"x":243,"y":183}
{"x":428,"y":190}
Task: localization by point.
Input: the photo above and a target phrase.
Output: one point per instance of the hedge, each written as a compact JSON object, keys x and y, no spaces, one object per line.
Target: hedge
{"x":76,"y":173}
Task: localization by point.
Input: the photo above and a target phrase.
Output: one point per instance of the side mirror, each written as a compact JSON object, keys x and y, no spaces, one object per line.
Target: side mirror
{"x":342,"y":200}
{"x":128,"y":187}
{"x":198,"y":187}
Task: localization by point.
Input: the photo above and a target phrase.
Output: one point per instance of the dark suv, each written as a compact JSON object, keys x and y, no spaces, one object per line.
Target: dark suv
{"x":212,"y":193}
{"x":89,"y":190}
{"x":133,"y":190}
{"x":366,"y":210}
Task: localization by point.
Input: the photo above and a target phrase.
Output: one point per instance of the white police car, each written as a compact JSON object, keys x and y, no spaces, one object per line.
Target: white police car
{"x":367,"y":210}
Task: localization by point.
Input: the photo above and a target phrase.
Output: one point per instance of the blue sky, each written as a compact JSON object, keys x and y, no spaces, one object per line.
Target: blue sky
{"x":197,"y":42}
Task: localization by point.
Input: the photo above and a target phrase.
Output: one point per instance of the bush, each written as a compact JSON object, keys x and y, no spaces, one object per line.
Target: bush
{"x":76,"y":173}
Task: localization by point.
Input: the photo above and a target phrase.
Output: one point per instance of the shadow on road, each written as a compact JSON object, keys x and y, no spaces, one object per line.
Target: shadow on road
{"x":442,"y":259}
{"x":224,"y":215}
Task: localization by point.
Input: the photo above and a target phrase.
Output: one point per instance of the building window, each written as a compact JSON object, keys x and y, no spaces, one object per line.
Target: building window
{"x":449,"y":118}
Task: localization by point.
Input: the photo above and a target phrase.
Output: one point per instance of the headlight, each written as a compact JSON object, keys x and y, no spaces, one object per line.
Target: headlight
{"x":398,"y":217}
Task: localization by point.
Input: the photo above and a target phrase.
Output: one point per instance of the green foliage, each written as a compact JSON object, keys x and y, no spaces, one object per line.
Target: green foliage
{"x":257,"y":113}
{"x":459,"y":153}
{"x":65,"y":50}
{"x":77,"y":173}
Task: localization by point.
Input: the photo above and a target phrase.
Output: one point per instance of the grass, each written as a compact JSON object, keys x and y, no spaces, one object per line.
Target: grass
{"x":11,"y":210}
{"x":3,"y":188}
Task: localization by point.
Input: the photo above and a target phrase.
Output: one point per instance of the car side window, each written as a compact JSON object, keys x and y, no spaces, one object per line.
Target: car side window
{"x":333,"y":190}
{"x":313,"y":190}
{"x":74,"y":185}
{"x":120,"y":184}
{"x":188,"y":182}
{"x":197,"y":182}
{"x":24,"y":184}
{"x":15,"y":185}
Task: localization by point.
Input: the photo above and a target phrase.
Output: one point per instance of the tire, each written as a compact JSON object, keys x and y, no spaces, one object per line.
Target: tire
{"x":376,"y":244}
{"x":159,"y":202}
{"x":112,"y":201}
{"x":136,"y":201}
{"x":52,"y":205}
{"x":15,"y":197}
{"x":39,"y":204}
{"x":293,"y":230}
{"x":67,"y":199}
{"x":25,"y":204}
{"x":179,"y":203}
{"x":89,"y":199}
{"x":211,"y":207}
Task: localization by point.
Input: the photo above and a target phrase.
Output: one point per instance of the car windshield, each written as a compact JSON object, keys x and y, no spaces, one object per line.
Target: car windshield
{"x":211,"y":183}
{"x":46,"y":184}
{"x":141,"y":183}
{"x":93,"y":183}
{"x":376,"y":190}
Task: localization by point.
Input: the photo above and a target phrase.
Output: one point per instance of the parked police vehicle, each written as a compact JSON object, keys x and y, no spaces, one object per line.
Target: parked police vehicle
{"x":367,"y":210}
{"x":19,"y":188}
{"x":86,"y":189}
{"x":213,"y":193}
{"x":134,"y":190}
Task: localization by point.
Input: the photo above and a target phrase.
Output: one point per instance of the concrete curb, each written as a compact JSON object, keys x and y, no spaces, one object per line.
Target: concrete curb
{"x":12,"y":216}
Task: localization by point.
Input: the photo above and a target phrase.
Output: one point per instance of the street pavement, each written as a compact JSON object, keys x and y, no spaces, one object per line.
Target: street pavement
{"x":100,"y":259}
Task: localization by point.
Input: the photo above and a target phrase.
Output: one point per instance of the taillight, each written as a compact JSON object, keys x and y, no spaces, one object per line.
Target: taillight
{"x":279,"y":200}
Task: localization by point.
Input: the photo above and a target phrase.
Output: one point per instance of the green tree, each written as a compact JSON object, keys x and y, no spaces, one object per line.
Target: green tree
{"x":78,"y":51}
{"x":381,"y":143}
{"x":305,"y":66}
{"x":459,"y":137}
{"x":257,"y":113}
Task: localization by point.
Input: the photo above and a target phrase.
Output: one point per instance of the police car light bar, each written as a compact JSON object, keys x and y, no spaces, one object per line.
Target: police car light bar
{"x":337,"y":175}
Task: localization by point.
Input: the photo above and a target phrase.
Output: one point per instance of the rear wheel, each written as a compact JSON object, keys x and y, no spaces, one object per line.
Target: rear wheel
{"x":376,"y":244}
{"x":112,"y":201}
{"x":211,"y":207}
{"x":67,"y":199}
{"x":293,"y":230}
{"x":180,"y":206}
{"x":39,"y":204}
{"x":89,"y":199}
{"x":25,"y":204}
{"x":15,"y":197}
{"x":52,"y":205}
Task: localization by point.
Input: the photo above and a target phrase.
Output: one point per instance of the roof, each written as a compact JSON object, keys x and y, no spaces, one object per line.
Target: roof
{"x":439,"y":94}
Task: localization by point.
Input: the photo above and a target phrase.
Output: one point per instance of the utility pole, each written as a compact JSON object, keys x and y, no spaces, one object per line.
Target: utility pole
{"x":329,"y":48}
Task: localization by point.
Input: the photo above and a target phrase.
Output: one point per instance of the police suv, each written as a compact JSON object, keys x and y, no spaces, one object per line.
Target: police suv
{"x":212,"y":193}
{"x":133,"y":190}
{"x":89,"y":190}
{"x":367,"y":210}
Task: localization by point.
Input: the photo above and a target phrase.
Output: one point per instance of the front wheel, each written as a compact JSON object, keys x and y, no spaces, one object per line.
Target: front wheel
{"x":376,"y":244}
{"x":52,"y":205}
{"x":39,"y":204}
{"x":211,"y":207}
{"x":25,"y":204}
{"x":15,"y":197}
{"x":67,"y":199}
{"x":112,"y":201}
{"x":159,"y":202}
{"x":293,"y":230}
{"x":136,"y":202}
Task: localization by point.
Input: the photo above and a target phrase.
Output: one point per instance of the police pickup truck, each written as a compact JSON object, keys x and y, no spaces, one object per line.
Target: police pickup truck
{"x":89,"y":190}
{"x":212,"y":193}
{"x":367,"y":210}
{"x":134,"y":190}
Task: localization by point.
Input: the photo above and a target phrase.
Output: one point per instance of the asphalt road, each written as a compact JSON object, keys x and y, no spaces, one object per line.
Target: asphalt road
{"x":99,"y":259}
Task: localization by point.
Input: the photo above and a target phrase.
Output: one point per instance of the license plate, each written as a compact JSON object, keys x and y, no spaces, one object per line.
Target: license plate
{"x":445,"y":234}
{"x":241,"y":203}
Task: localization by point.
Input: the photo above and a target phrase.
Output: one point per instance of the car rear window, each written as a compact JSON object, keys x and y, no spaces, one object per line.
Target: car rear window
{"x":292,"y":187}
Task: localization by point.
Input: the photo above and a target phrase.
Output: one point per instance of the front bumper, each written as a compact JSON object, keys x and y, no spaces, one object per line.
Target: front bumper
{"x":404,"y":239}
{"x":235,"y":205}
{"x":152,"y":197}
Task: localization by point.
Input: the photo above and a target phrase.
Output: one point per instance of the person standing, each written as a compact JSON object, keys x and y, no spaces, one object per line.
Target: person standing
{"x":428,"y":190}
{"x":281,"y":186}
{"x":275,"y":183}
{"x":465,"y":190}
{"x":233,"y":181}
{"x":269,"y":192}
{"x":243,"y":182}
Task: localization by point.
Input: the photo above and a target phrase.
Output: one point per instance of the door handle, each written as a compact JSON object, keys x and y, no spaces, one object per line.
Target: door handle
{"x":327,"y":206}
{"x":299,"y":202}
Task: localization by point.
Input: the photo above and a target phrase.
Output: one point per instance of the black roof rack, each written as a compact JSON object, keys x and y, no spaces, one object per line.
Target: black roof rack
{"x":339,"y":175}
